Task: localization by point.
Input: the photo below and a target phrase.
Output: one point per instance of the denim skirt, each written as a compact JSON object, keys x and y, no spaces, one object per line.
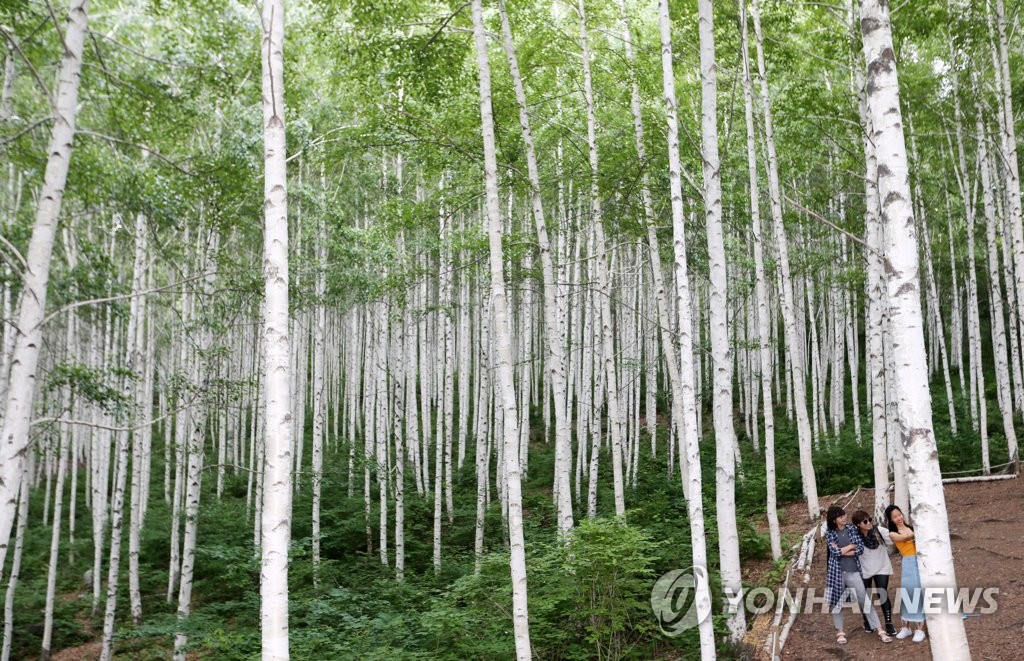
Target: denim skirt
{"x":911,"y":595}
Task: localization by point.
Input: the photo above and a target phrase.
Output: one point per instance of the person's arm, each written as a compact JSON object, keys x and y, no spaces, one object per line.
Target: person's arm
{"x":884,"y":532}
{"x":832,"y":541}
{"x":902,"y":537}
{"x":856,"y":545}
{"x":858,"y":541}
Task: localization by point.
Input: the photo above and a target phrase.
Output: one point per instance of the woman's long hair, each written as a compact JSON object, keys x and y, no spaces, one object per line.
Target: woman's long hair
{"x":888,"y":518}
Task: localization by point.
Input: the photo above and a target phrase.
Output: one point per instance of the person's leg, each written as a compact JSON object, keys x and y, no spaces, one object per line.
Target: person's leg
{"x":856,"y":583}
{"x":837,"y":621}
{"x":882,"y":585}
{"x":864,"y":611}
{"x":837,"y":614}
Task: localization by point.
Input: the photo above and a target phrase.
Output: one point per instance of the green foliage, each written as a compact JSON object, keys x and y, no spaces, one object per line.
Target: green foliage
{"x":612,"y":566}
{"x":102,"y":387}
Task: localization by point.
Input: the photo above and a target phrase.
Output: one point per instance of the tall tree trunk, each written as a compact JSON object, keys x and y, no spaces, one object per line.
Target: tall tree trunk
{"x":140,"y":456}
{"x":503,"y":335}
{"x":689,"y":432}
{"x":1012,"y":170}
{"x":932,"y":294}
{"x":51,"y":576}
{"x":132,"y":359}
{"x":761,"y":292}
{"x":1005,"y":394}
{"x":28,"y":341}
{"x":275,"y":525}
{"x":718,"y":302}
{"x":794,"y":346}
{"x":668,"y":346}
{"x":554,"y":340}
{"x":946,"y":629}
{"x":195,"y":449}
{"x":12,"y":580}
{"x":615,"y":412}
{"x":319,"y":382}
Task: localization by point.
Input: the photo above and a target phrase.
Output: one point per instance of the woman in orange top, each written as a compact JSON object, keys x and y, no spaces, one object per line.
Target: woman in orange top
{"x":911,"y":595}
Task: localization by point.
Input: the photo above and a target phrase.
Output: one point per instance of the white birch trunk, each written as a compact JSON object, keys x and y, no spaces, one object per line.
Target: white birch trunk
{"x":1005,"y":394}
{"x":761,"y":293}
{"x":1012,"y":169}
{"x":554,"y":339}
{"x":15,"y":574}
{"x":946,"y":630}
{"x":794,"y":354}
{"x":319,"y":405}
{"x":718,"y":301}
{"x":932,"y":293}
{"x":615,"y":413}
{"x":121,"y":472}
{"x":195,"y":451}
{"x":277,"y":493}
{"x":135,"y":362}
{"x":689,"y":431}
{"x":503,"y":336}
{"x":14,"y":438}
{"x":51,"y":576}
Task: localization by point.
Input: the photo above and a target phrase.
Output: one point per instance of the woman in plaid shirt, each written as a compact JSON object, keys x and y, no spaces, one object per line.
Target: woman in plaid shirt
{"x":843,"y":573}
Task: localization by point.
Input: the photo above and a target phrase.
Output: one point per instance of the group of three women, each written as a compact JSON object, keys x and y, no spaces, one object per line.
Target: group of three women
{"x":858,"y":562}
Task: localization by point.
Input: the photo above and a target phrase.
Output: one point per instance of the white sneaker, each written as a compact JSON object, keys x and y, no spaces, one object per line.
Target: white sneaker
{"x":904,"y":633}
{"x":918,"y":636}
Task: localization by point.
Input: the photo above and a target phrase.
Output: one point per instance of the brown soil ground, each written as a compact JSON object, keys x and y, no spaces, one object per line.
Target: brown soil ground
{"x":987,"y":532}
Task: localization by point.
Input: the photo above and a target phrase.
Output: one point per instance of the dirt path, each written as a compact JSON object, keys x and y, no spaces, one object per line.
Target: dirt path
{"x":987,"y":531}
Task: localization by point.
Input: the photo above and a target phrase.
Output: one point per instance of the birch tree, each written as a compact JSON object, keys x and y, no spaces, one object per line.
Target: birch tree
{"x":554,"y":358}
{"x":28,"y":339}
{"x":761,"y":294}
{"x":794,"y":345}
{"x":947,"y":635}
{"x":725,"y":458}
{"x":277,"y":491}
{"x":503,"y":334}
{"x":689,"y":432}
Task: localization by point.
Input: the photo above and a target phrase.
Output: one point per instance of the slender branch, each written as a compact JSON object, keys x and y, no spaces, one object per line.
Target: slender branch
{"x":136,"y":145}
{"x":97,"y":425}
{"x":120,"y":297}
{"x":14,"y":251}
{"x":822,"y":219}
{"x":35,"y":74}
{"x":440,"y":28}
{"x":27,"y":129}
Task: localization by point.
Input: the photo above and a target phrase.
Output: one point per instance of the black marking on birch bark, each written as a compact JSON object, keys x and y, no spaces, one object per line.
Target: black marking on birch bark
{"x":915,"y":435}
{"x":883,"y":170}
{"x":869,"y":24}
{"x":906,"y":288}
{"x":884,"y":63}
{"x":893,"y":196}
{"x":890,"y":270}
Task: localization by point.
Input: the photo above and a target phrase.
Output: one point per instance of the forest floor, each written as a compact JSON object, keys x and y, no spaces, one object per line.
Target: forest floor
{"x":987,"y":533}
